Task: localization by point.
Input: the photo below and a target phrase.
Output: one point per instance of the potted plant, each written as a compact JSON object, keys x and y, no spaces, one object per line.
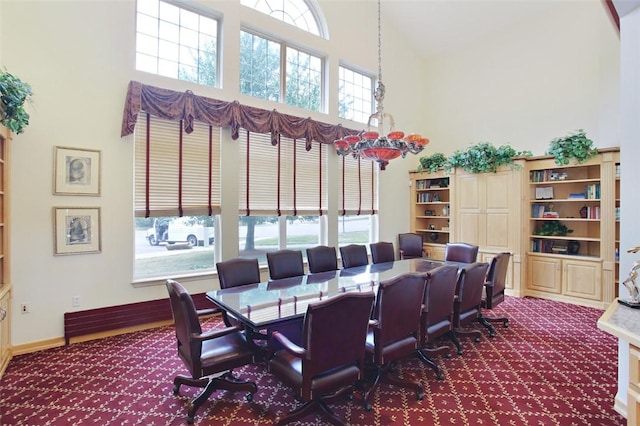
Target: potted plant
{"x":575,"y":146}
{"x":13,"y":95}
{"x":432,"y":163}
{"x":484,"y":157}
{"x":554,"y":228}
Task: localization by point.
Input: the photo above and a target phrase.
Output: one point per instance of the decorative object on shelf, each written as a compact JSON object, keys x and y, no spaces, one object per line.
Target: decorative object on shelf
{"x":76,"y":171}
{"x":77,"y":230}
{"x":554,"y":228}
{"x":484,"y":158}
{"x":13,"y":95}
{"x":434,"y":237}
{"x":432,"y":163}
{"x":575,"y":146}
{"x":573,"y":247}
{"x":445,"y":211}
{"x":374,"y":145}
{"x":583,"y":212}
{"x":432,"y":227}
{"x":429,"y":212}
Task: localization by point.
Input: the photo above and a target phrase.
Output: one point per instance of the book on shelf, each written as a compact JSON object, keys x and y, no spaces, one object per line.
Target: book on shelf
{"x":551,"y":215}
{"x":593,"y":191}
{"x":577,"y":196}
{"x":544,"y":193}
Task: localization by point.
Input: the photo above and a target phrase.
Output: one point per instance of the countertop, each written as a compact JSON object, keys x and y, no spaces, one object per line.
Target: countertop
{"x":622,"y":322}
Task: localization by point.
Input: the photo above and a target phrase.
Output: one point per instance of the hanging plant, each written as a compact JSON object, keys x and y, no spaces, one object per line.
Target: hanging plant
{"x":484,"y":158}
{"x":13,"y":95}
{"x":432,"y":163}
{"x":572,"y":146}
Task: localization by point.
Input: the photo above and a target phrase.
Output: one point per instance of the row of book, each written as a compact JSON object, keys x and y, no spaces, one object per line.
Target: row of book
{"x":542,"y":211}
{"x":546,"y":175}
{"x":428,"y":197}
{"x":431,"y":183}
{"x":591,"y":212}
{"x":547,"y":246}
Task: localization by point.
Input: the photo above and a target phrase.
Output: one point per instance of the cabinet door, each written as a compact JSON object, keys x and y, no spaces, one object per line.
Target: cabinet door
{"x":499,"y":196}
{"x":470,"y":191}
{"x":5,"y":318}
{"x":544,"y":274}
{"x":582,"y":278}
{"x":435,"y":252}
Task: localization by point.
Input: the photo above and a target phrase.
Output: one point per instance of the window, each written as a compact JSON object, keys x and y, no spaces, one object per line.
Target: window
{"x":358,"y":200}
{"x":177,"y":197}
{"x":176,"y":42}
{"x":294,"y":12}
{"x":261,"y":75}
{"x":283,"y":194}
{"x":355,"y":95}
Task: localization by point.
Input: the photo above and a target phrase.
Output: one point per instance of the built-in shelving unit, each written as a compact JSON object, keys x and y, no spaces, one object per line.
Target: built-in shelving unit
{"x":5,"y":282}
{"x":431,"y":210}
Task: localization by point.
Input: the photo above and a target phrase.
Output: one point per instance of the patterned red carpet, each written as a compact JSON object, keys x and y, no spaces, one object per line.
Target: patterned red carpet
{"x":552,"y":366}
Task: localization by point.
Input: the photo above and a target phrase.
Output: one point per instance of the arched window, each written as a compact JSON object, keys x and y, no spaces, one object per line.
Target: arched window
{"x":298,"y":13}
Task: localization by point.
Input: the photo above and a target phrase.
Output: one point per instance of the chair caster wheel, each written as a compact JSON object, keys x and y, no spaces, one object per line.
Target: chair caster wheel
{"x":176,"y":389}
{"x":367,"y":407}
{"x":460,"y":352}
{"x":440,"y":377}
{"x":249,"y":397}
{"x":190,"y":420}
{"x":419,"y":396}
{"x":505,"y":325}
{"x":477,"y":340}
{"x":492,"y":334}
{"x":448,"y":356}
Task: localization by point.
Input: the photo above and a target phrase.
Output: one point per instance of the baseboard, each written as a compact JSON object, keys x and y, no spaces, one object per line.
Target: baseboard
{"x":620,"y":406}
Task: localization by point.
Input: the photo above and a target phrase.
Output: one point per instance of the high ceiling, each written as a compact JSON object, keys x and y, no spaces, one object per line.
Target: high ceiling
{"x":434,"y":26}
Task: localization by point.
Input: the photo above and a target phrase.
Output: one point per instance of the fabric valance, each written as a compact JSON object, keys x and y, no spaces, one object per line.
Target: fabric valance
{"x":176,"y":106}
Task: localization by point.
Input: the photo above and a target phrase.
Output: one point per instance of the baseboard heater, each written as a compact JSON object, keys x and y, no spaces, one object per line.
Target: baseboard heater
{"x":82,"y":323}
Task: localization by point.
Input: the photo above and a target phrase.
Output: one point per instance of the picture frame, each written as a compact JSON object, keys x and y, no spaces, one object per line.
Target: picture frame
{"x":76,"y":171}
{"x":76,"y":230}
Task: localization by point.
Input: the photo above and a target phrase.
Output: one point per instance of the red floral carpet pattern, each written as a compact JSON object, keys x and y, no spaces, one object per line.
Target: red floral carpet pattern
{"x":552,"y":366}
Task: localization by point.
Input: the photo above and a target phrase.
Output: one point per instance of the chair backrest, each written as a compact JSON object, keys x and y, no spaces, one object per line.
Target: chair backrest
{"x":187,"y":324}
{"x":438,"y":297}
{"x":354,"y":255}
{"x":237,"y":272}
{"x":398,"y":308}
{"x":461,"y":252}
{"x":469,"y":289}
{"x":285,"y":263}
{"x":382,"y":252}
{"x":322,"y":259}
{"x":410,"y":246}
{"x":335,"y":331}
{"x":495,"y":281}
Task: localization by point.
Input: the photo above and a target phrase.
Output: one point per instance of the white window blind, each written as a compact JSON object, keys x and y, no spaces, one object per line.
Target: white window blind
{"x":359,"y":187}
{"x":282,"y":180}
{"x":176,"y":173}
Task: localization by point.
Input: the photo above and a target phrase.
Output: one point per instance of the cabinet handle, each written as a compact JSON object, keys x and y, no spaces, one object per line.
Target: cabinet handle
{"x":3,"y":314}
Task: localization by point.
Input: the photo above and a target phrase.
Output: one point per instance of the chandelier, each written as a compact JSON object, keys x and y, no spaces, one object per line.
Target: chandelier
{"x":375,"y":145}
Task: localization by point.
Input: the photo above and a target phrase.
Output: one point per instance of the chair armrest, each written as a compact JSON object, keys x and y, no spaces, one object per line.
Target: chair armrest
{"x":213,"y":334}
{"x":288,"y":345}
{"x":209,"y":311}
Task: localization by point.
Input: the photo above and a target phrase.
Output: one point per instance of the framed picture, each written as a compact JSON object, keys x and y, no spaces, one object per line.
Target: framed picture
{"x":76,"y":171}
{"x":76,"y":230}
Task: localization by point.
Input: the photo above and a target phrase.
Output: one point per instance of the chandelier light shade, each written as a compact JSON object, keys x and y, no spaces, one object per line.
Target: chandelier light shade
{"x":375,"y":145}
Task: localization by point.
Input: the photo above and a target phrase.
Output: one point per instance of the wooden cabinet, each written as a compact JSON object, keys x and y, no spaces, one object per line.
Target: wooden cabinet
{"x":633,"y":392}
{"x":617,"y":249}
{"x":5,"y":283}
{"x":579,"y":264}
{"x":431,"y":210}
{"x":487,"y":213}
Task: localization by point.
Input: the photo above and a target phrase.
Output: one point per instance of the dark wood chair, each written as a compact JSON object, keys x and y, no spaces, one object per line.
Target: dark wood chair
{"x":330,"y":359}
{"x":322,"y":259}
{"x":285,"y":263}
{"x":460,"y":252}
{"x":354,"y":255}
{"x":207,"y":354}
{"x":394,"y":333}
{"x":466,"y":306}
{"x":236,"y":272}
{"x":410,"y":246}
{"x":494,"y":285}
{"x":382,"y":252}
{"x":437,"y":312}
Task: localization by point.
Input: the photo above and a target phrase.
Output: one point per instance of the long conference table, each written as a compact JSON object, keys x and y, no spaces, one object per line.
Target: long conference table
{"x":281,"y":304}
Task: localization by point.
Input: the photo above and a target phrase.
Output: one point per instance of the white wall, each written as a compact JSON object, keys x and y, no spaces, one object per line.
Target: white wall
{"x":79,"y":57}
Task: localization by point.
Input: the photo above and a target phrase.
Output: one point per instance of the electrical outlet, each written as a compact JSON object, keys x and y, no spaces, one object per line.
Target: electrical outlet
{"x":24,"y":308}
{"x":75,"y":301}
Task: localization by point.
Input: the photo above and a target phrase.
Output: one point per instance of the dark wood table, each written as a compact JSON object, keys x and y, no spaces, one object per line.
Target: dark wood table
{"x":273,"y":304}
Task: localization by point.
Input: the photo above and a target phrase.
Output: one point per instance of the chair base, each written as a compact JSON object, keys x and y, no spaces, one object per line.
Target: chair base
{"x":422,"y":354}
{"x":459,"y":332}
{"x":487,"y":320}
{"x":383,"y":376}
{"x":210,"y":385}
{"x":315,"y":405}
